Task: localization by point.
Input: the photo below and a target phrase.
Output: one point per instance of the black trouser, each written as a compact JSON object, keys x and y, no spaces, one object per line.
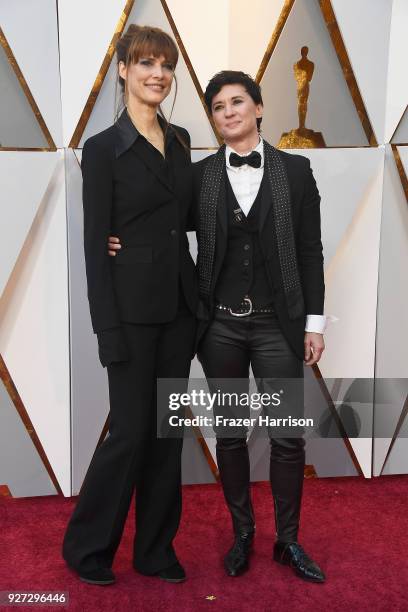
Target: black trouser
{"x":229,"y":346}
{"x":132,"y":456}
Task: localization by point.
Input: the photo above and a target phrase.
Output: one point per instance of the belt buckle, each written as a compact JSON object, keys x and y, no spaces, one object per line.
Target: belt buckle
{"x":242,"y":314}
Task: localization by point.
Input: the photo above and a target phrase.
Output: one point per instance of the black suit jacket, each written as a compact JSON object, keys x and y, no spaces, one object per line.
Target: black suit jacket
{"x":305,"y":206}
{"x":129,"y":192}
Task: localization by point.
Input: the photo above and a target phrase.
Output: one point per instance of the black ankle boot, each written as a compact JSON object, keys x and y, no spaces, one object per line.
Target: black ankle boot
{"x":236,"y":561}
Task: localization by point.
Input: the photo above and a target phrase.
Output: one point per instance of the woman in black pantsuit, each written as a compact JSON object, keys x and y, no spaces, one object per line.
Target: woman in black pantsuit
{"x":137,"y":180}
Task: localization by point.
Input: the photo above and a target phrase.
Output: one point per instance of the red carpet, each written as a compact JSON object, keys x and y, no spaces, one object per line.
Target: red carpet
{"x":355,"y":529}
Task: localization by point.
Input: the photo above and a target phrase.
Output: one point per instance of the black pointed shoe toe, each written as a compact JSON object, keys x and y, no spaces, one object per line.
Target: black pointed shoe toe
{"x":102,"y":576}
{"x":236,"y":561}
{"x":292,"y":554}
{"x":174,"y":573}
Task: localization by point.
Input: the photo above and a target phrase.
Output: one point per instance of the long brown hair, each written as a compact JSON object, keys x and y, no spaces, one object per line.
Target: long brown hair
{"x":146,"y":41}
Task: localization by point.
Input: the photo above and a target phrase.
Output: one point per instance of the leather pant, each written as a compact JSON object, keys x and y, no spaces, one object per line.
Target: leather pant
{"x":229,"y":347}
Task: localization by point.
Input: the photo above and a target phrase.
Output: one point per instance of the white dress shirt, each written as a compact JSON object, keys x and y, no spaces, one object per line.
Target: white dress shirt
{"x":245,"y":182}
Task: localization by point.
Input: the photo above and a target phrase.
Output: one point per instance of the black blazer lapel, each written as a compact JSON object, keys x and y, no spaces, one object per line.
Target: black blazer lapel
{"x":221,"y":232}
{"x":266,"y":204}
{"x":222,"y":213}
{"x":146,"y":157}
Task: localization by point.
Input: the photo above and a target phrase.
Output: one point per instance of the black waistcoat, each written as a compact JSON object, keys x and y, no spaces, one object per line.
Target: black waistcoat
{"x":243,"y":270}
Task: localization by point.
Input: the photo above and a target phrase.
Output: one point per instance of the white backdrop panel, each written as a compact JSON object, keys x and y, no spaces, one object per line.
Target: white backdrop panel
{"x":36,"y":51}
{"x":204,"y":32}
{"x":403,"y":153}
{"x":239,"y":32}
{"x":401,"y":133}
{"x":367,"y":48}
{"x":18,"y":124}
{"x":397,"y":462}
{"x":397,"y":84}
{"x":85,"y":32}
{"x":34,"y":338}
{"x":351,"y":274}
{"x":392,"y":322}
{"x":21,"y":468}
{"x":24,"y":178}
{"x":251,"y":25}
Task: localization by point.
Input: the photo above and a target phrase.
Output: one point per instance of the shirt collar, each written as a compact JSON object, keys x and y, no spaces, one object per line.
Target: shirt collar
{"x":127,"y":134}
{"x":259,"y":148}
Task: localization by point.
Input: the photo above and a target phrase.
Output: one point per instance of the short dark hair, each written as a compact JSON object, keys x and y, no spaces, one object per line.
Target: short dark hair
{"x":233,"y":77}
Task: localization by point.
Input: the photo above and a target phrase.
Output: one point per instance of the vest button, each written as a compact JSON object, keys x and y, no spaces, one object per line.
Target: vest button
{"x":246,"y":247}
{"x":246,"y":262}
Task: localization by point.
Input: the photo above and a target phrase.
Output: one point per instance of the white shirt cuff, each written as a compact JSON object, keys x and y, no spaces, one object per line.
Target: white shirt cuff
{"x":318,"y":323}
{"x":315,"y":323}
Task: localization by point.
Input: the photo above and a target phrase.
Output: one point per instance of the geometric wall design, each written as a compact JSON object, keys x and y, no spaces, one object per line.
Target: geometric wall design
{"x":59,"y":87}
{"x":351,"y":223}
{"x":390,"y":454}
{"x":397,"y":85}
{"x":31,"y":79}
{"x":33,"y":364}
{"x":14,"y":101}
{"x":401,"y":132}
{"x":331,"y":109}
{"x":368,"y":53}
{"x":401,"y":160}
{"x":25,"y":474}
{"x":34,"y":321}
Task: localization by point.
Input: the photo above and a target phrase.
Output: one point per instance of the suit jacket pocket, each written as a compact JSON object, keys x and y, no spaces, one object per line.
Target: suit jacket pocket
{"x":140,"y":253}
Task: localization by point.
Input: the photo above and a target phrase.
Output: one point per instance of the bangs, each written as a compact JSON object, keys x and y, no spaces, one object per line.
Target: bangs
{"x":153,"y":44}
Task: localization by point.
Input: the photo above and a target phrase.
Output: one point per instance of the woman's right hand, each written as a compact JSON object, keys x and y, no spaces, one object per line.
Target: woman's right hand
{"x":113,"y":245}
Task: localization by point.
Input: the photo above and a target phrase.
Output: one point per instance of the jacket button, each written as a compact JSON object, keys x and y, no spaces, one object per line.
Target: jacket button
{"x":246,"y":262}
{"x":173,"y":232}
{"x":246,"y":247}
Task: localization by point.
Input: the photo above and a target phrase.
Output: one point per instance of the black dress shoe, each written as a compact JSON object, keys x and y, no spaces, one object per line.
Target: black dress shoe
{"x":291,"y":553}
{"x":236,"y":561}
{"x":174,"y":573}
{"x":102,"y":576}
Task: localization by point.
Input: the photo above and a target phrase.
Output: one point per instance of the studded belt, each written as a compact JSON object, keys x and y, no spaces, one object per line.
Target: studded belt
{"x":245,"y":309}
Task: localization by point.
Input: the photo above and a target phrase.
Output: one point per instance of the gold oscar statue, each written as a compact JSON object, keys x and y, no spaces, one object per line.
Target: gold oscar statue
{"x":302,"y":137}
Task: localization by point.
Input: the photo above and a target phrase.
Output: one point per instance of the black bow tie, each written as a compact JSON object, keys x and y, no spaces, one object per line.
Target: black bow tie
{"x":254,"y":159}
